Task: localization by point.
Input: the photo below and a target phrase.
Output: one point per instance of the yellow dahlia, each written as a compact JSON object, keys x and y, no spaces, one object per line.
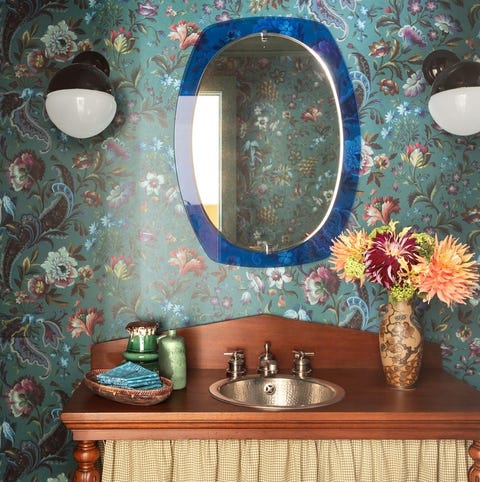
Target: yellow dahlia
{"x":347,"y":255}
{"x":449,"y":274}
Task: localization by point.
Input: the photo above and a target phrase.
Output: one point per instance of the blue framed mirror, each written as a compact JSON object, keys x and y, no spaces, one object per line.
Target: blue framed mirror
{"x":267,"y":141}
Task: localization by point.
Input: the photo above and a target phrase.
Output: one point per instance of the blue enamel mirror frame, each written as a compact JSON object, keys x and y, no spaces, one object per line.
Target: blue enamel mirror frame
{"x":317,"y":37}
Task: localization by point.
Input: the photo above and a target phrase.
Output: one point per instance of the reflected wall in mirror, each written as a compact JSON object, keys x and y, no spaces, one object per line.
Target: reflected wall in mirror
{"x":278,"y":169}
{"x":267,"y":141}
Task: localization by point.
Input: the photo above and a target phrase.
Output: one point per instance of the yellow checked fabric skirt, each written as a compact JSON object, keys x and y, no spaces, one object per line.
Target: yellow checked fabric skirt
{"x":286,"y":461}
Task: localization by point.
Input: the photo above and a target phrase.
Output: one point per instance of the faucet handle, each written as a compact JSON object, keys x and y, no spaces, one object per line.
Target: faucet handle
{"x":302,"y":354}
{"x":236,"y":364}
{"x":301,"y":363}
{"x":236,"y":353}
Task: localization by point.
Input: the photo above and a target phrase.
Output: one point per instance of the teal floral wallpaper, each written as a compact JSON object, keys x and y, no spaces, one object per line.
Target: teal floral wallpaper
{"x":93,"y":232}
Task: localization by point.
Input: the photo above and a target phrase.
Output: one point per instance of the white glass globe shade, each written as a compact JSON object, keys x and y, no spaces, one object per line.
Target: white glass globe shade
{"x":81,"y":113}
{"x":457,"y":110}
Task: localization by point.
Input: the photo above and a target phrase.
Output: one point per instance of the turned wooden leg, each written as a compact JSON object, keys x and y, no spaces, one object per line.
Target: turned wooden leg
{"x":86,"y":454}
{"x":474,"y":470}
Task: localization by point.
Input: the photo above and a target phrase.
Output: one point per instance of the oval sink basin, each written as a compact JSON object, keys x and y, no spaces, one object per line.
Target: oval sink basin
{"x":280,"y":392}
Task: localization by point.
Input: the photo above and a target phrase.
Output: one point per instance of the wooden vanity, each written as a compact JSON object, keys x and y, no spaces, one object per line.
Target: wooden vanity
{"x":440,"y":407}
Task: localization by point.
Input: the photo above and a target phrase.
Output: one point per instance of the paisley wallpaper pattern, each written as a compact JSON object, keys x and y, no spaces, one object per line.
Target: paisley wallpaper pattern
{"x":93,"y":233}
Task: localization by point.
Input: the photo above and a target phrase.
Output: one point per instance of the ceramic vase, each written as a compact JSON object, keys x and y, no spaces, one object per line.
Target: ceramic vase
{"x":401,"y":344}
{"x":172,"y":361}
{"x":142,"y":344}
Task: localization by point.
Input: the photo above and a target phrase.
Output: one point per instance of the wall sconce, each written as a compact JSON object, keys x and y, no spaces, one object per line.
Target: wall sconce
{"x":79,"y":97}
{"x":455,"y":97}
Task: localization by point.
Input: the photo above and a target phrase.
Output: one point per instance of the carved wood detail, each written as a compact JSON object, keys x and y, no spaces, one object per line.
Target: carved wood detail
{"x":86,"y":455}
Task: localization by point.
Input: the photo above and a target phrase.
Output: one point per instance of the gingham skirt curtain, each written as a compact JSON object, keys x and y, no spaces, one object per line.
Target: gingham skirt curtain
{"x":286,"y":461}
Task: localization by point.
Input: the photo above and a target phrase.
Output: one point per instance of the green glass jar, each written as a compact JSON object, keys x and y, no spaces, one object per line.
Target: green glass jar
{"x":172,"y":361}
{"x":142,"y":337}
{"x":142,"y":344}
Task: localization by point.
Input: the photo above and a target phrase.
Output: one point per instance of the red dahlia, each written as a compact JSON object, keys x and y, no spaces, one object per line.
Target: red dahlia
{"x":389,"y":258}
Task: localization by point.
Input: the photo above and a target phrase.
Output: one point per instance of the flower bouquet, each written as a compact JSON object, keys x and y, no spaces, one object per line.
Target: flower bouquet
{"x":407,"y":264}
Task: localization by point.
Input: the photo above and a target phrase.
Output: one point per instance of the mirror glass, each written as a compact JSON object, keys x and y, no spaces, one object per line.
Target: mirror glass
{"x":267,"y":141}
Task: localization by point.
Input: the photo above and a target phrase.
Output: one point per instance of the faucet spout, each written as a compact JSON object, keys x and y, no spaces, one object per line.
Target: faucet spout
{"x":267,"y":365}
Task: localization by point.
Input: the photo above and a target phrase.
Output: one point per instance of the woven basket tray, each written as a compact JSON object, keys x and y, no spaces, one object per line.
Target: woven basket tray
{"x":127,"y":395}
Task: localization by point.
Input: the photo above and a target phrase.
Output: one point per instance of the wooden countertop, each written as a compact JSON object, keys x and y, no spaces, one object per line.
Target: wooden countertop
{"x":439,"y":407}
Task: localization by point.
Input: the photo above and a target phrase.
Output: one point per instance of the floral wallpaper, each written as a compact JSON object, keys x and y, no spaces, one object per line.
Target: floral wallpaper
{"x":93,"y":232}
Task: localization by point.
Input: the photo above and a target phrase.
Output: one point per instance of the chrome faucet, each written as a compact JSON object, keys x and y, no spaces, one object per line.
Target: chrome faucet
{"x":236,"y":364}
{"x":267,"y":365}
{"x":302,"y":366}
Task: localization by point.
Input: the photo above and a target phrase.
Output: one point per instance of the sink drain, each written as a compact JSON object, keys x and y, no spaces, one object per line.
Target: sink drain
{"x":269,"y":388}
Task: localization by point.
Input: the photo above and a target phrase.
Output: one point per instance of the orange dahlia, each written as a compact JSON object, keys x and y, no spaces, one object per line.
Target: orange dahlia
{"x":347,"y":255}
{"x":449,"y":274}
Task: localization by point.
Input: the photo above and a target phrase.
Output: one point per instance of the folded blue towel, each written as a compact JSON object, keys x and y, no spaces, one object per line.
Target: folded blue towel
{"x":131,"y":375}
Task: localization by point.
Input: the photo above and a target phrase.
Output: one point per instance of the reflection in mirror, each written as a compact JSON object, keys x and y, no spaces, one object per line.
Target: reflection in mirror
{"x":267,"y":141}
{"x":206,"y":152}
{"x":285,"y":154}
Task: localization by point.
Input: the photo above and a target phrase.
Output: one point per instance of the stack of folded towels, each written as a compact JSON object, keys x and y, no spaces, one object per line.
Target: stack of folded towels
{"x":130,"y":375}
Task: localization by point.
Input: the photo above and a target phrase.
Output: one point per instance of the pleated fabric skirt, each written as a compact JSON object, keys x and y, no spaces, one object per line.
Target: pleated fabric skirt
{"x":286,"y":461}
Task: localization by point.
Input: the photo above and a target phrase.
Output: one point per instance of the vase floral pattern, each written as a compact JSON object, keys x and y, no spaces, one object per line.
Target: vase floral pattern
{"x":401,"y":344}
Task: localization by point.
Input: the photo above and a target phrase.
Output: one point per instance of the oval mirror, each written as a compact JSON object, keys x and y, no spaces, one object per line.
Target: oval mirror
{"x":267,"y":141}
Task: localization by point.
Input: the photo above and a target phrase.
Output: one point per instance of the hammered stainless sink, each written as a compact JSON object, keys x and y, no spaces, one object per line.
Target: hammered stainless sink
{"x":279,"y":392}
